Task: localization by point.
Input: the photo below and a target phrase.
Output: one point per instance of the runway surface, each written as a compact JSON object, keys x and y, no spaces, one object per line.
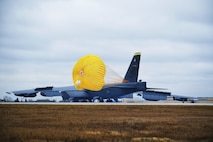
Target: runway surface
{"x":86,"y":103}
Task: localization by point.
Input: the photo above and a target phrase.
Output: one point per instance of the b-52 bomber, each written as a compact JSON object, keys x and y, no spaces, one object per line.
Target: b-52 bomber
{"x":130,"y":84}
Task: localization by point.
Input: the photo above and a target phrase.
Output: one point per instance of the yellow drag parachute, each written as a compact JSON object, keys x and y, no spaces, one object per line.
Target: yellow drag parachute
{"x":88,"y":73}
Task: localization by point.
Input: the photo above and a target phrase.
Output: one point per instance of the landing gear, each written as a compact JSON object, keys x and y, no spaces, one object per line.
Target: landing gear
{"x":109,"y":100}
{"x":96,"y":101}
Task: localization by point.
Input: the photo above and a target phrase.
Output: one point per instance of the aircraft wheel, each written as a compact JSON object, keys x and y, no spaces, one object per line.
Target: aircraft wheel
{"x":109,"y":100}
{"x":96,"y":101}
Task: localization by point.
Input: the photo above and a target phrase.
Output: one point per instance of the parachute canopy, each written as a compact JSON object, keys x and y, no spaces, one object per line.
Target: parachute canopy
{"x":88,"y":73}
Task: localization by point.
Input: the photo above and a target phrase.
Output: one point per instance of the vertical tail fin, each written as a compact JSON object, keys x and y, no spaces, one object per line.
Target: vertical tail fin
{"x":132,"y":72}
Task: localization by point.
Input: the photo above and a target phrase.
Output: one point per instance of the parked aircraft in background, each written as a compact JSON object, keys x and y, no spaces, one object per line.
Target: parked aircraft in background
{"x":129,"y":85}
{"x":184,"y":98}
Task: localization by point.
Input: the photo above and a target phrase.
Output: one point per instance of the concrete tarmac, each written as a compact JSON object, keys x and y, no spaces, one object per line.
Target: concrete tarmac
{"x":91,"y":103}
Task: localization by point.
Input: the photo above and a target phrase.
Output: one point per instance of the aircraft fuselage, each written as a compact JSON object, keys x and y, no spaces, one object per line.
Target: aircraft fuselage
{"x":107,"y":92}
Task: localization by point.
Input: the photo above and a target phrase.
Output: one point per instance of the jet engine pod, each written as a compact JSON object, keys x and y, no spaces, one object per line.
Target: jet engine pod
{"x":50,"y":93}
{"x":26,"y":94}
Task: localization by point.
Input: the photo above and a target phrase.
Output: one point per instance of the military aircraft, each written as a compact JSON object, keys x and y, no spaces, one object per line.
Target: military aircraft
{"x":185,"y":98}
{"x":130,"y":84}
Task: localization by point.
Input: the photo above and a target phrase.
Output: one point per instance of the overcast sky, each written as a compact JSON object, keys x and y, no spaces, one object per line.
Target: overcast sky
{"x":40,"y":41}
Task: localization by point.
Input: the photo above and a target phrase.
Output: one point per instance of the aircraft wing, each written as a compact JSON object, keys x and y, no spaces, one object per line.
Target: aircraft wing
{"x":24,"y":93}
{"x":44,"y":91}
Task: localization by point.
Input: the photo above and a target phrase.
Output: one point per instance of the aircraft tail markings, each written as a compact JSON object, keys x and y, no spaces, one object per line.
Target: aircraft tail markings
{"x":132,"y":72}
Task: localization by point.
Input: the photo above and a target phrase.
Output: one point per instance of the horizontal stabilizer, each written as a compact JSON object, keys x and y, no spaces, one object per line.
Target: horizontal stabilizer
{"x":153,"y":89}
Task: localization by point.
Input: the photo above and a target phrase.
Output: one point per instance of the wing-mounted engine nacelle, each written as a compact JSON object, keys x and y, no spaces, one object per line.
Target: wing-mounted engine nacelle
{"x":26,"y":95}
{"x":50,"y":93}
